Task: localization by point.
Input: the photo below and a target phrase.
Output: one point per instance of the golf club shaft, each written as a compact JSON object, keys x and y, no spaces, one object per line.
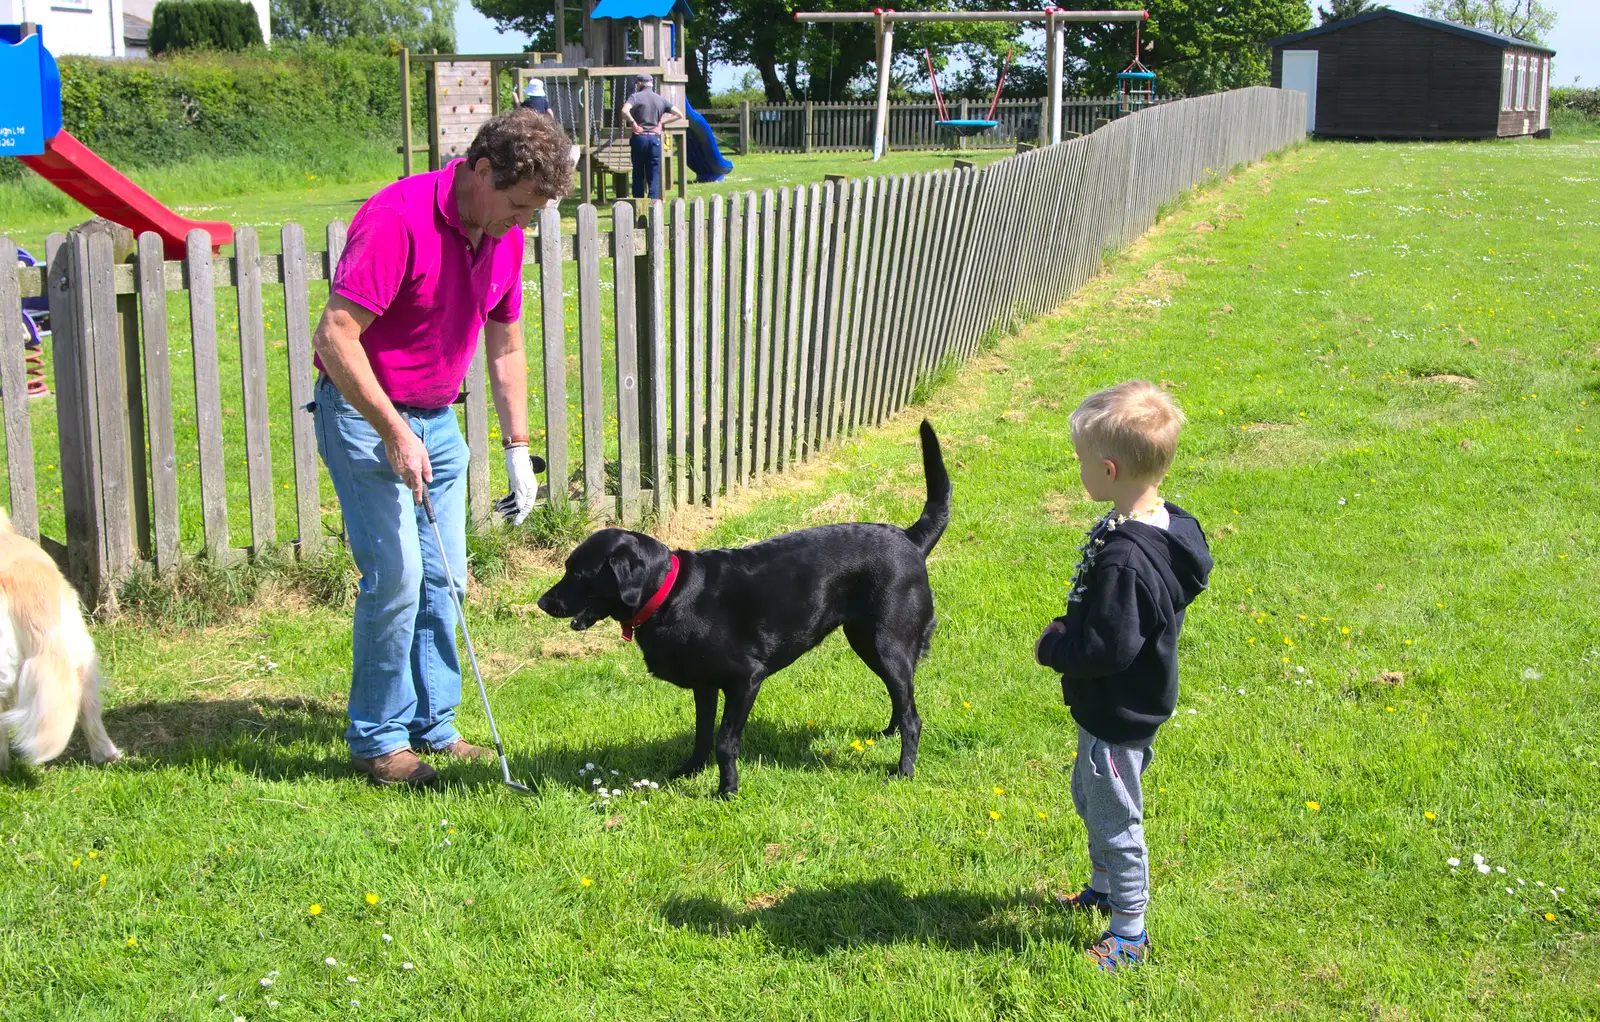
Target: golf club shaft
{"x":461,"y":615}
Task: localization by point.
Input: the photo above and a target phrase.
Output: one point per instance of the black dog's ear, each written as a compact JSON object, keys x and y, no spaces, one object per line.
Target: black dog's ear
{"x":628,"y":567}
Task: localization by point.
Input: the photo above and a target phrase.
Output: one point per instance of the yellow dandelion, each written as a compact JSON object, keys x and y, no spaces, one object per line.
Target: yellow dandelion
{"x":1345,"y":630}
{"x":856,"y":745}
{"x":993,"y":815}
{"x":999,"y":790}
{"x":1440,"y":606}
{"x":135,"y":940}
{"x":372,"y":899}
{"x":1043,"y":815}
{"x":1301,"y":616}
{"x":1251,"y":641}
{"x":965,"y":705}
{"x":1285,"y":659}
{"x":94,"y":854}
{"x":452,"y":830}
{"x":1549,"y":917}
{"x":870,"y":742}
{"x":1408,"y":642}
{"x":315,"y":909}
{"x":102,"y":879}
{"x":586,"y":882}
{"x":1313,"y":806}
{"x":1389,"y":708}
{"x":810,"y":724}
{"x":1430,"y":815}
{"x":76,"y":863}
{"x":1288,"y":641}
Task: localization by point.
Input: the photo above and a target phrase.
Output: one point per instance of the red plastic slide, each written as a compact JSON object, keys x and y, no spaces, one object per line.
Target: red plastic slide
{"x":75,"y":169}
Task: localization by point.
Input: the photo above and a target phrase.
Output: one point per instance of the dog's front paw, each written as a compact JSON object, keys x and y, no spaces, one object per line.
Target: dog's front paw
{"x":908,"y":773}
{"x":727,"y":793}
{"x":109,"y":755}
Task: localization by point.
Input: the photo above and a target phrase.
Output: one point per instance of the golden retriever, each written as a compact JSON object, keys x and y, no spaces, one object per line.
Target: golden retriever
{"x":49,"y":671}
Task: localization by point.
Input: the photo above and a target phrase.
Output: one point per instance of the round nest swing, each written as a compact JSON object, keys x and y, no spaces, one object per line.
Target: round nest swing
{"x":965,"y":127}
{"x":968,"y":128}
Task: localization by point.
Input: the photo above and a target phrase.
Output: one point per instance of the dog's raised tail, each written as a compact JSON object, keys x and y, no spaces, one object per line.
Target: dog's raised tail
{"x":936,"y":512}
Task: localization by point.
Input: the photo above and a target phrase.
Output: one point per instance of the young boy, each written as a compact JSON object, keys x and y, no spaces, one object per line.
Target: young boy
{"x":1116,"y":646}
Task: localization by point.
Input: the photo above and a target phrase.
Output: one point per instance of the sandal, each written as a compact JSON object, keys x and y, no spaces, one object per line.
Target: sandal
{"x":1113,"y":953}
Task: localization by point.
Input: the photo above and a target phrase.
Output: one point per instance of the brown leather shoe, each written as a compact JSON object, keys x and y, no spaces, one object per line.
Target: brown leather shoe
{"x":398,"y":767}
{"x":461,"y":749}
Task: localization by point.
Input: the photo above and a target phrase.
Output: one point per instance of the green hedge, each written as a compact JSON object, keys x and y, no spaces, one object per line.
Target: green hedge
{"x":1584,"y":101}
{"x":293,"y":102}
{"x":203,"y":25}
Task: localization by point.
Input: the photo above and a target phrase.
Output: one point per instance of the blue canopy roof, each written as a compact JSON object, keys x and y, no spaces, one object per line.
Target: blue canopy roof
{"x":620,"y":9}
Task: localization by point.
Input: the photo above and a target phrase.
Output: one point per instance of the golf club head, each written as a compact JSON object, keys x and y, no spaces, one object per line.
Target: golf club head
{"x":519,"y":787}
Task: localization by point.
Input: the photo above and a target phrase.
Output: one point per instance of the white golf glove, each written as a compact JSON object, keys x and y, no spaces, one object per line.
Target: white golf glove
{"x":514,"y":506}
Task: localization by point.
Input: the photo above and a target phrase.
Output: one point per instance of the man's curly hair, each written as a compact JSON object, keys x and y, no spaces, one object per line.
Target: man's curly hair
{"x":524,"y":145}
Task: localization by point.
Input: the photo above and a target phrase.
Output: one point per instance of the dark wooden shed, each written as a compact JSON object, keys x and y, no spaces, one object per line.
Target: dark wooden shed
{"x":1387,"y":74}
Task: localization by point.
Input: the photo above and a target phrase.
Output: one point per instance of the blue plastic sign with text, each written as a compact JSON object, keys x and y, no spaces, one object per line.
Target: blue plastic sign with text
{"x":22,"y":115}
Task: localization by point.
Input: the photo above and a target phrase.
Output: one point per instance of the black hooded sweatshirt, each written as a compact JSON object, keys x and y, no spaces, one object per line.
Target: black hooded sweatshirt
{"x":1118,"y":655}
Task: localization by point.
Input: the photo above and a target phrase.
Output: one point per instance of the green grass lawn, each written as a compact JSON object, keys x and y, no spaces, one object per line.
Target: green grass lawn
{"x":1388,"y":355}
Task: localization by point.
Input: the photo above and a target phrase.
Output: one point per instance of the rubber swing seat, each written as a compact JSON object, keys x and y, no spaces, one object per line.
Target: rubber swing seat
{"x":968,"y":128}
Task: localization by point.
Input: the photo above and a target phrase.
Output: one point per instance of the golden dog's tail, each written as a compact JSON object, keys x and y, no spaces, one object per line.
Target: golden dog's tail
{"x":46,"y":709}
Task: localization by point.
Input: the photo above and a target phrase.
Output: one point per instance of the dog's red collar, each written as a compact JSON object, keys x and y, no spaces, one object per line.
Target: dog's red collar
{"x":653,"y":604}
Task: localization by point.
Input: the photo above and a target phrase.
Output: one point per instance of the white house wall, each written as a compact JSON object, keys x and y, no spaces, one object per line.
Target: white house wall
{"x":93,"y":28}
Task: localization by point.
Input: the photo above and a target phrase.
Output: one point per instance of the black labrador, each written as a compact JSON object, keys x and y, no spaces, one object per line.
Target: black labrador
{"x":725,"y":620}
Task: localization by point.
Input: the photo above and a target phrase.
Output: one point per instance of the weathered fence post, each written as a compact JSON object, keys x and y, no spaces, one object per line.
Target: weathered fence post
{"x":22,"y":500}
{"x":744,"y":127}
{"x":806,"y":145}
{"x":91,"y":410}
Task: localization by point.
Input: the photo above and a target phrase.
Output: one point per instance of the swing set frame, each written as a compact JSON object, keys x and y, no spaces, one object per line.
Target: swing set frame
{"x":883,"y":21}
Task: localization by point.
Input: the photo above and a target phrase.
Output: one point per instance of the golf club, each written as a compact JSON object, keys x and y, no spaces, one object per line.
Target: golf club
{"x":461,"y":612}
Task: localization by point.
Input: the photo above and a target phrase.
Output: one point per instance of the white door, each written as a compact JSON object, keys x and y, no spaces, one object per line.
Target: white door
{"x":1300,"y":74}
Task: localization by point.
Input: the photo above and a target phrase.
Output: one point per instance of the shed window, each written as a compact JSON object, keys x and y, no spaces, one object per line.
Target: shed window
{"x":1522,"y":83}
{"x":1507,"y":63}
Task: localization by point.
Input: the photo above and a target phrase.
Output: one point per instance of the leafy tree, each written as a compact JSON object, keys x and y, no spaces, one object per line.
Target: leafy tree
{"x":1193,"y":47}
{"x":419,"y":24}
{"x":203,"y":25}
{"x":1520,"y":19}
{"x":1339,"y":10}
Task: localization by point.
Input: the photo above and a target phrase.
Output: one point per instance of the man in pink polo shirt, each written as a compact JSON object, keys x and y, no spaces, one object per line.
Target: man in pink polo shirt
{"x":431,"y":261}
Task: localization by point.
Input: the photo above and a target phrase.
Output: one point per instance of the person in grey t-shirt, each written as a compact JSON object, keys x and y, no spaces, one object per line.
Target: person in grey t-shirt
{"x":645,"y":111}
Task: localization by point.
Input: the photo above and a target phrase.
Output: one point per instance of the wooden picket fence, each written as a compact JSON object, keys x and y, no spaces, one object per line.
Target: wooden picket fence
{"x":824,"y":127}
{"x":748,"y":331}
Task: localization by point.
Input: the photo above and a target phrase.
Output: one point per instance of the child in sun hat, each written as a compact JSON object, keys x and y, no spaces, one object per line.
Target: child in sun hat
{"x":1142,"y":564}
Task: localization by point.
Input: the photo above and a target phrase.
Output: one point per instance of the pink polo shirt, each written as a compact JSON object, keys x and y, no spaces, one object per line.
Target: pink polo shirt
{"x":408,"y":261}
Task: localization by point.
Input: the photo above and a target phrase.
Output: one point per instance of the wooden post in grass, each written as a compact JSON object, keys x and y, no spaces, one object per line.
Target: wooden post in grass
{"x":405,"y":112}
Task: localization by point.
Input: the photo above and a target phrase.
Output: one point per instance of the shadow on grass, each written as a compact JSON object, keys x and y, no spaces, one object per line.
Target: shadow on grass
{"x":764,"y":744}
{"x":821,"y":920}
{"x":273,"y":738}
{"x":288,"y":738}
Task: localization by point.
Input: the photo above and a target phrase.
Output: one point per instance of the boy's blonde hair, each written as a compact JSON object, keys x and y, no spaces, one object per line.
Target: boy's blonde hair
{"x":1135,"y":424}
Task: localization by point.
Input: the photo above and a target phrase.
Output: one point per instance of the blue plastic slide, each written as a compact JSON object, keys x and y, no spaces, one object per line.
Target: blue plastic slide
{"x":705,"y":159}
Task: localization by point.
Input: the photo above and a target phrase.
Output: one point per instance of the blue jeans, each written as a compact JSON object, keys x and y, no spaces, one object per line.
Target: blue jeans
{"x":405,"y":682}
{"x":646,"y":151}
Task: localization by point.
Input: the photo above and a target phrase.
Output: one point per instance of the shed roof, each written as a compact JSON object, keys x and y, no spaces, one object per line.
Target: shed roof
{"x":1490,"y":38}
{"x":620,"y":9}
